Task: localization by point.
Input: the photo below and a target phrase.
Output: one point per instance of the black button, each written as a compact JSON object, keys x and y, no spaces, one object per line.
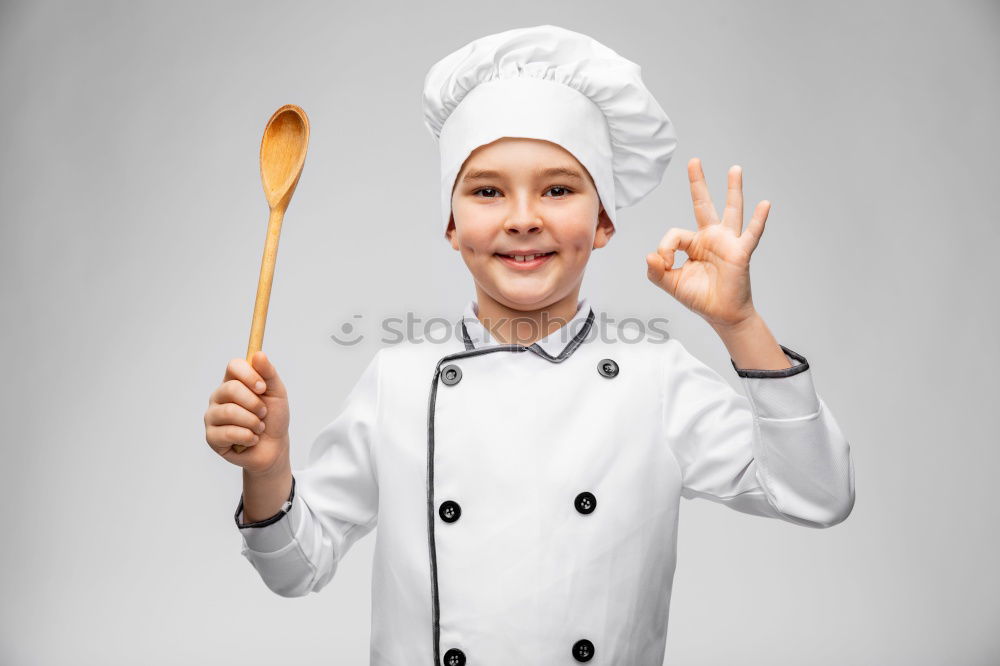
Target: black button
{"x":451,"y":374}
{"x":607,"y":367}
{"x":583,"y":650}
{"x":586,"y":502}
{"x":449,"y":511}
{"x":454,"y":657}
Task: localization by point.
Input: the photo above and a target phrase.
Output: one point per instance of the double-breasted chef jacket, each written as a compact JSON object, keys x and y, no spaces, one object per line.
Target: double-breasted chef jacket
{"x":527,"y":497}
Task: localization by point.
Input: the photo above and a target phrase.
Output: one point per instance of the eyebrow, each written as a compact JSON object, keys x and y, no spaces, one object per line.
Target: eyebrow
{"x":489,"y":174}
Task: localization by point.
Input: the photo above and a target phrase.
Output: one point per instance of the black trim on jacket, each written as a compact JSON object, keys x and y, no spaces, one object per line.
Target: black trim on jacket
{"x":470,"y":351}
{"x":267,"y":521}
{"x":785,"y":372}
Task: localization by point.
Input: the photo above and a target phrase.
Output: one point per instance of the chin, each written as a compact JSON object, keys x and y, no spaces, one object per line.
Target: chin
{"x":524,"y":299}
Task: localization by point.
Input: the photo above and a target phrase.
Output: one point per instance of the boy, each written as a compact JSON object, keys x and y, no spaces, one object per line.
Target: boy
{"x":526,"y":475}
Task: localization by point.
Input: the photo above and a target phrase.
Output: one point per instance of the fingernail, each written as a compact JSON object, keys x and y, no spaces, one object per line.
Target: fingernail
{"x":260,"y":427}
{"x":256,"y":439}
{"x":259,"y":386}
{"x":263,"y":412}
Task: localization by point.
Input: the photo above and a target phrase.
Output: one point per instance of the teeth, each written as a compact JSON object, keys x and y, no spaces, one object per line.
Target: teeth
{"x":524,"y":257}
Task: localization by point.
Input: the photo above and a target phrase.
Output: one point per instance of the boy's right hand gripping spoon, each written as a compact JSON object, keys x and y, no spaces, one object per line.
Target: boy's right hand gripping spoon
{"x":282,"y":154}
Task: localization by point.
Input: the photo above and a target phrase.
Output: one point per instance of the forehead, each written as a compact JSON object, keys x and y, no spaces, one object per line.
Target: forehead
{"x":509,"y":156}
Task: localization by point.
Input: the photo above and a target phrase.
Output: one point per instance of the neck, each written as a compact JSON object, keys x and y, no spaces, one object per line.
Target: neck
{"x":522,"y":327}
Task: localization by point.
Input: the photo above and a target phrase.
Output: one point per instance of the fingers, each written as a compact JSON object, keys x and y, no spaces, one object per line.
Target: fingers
{"x":274,"y":386}
{"x":238,"y":368}
{"x":704,"y":211}
{"x":733,"y":215}
{"x":660,"y":274}
{"x":224,"y":436}
{"x":232,"y":414}
{"x":234,"y":418}
{"x":755,"y":228}
{"x":655,"y":267}
{"x":236,"y":391}
{"x":660,"y":268}
{"x":675,"y":239}
{"x":228,"y":424}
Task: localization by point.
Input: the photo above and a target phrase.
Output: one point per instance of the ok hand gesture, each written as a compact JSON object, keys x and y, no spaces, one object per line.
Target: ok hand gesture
{"x":714,"y":281}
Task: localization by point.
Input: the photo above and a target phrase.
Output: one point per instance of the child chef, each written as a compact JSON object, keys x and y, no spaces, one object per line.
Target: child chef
{"x":525,"y":475}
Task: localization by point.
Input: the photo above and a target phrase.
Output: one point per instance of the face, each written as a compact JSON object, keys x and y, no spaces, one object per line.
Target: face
{"x":517,"y":196}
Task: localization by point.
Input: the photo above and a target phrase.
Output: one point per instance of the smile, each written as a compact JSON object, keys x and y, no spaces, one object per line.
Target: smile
{"x":525,"y":262}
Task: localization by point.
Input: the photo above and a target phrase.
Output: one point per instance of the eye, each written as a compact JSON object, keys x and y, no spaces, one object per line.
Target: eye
{"x":561,"y":192}
{"x":560,"y":187}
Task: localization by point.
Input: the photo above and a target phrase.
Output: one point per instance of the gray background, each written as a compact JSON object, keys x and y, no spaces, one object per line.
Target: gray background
{"x":133,"y":222}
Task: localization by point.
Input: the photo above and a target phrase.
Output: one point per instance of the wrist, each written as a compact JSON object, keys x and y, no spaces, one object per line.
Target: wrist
{"x":265,"y":495}
{"x":280,"y":469}
{"x":751,"y":345}
{"x":747,"y":322}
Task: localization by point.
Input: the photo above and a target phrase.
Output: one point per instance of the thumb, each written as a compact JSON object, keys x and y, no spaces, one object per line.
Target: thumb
{"x":660,"y":274}
{"x":262,"y":364}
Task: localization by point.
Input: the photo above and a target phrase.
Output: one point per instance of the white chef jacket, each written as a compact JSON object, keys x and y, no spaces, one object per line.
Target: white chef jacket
{"x":527,"y":496}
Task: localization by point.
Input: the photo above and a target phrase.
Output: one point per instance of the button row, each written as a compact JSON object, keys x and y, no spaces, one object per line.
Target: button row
{"x":450,"y":510}
{"x":583,"y":650}
{"x":451,"y":374}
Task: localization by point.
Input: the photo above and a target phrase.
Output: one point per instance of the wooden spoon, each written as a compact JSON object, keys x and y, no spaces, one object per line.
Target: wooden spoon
{"x":282,"y":154}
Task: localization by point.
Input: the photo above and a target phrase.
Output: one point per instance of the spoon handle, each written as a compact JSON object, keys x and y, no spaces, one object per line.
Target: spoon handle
{"x":264,"y":288}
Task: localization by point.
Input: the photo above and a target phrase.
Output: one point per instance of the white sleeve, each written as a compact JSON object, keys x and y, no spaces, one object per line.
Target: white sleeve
{"x":333,"y":503}
{"x":778,"y":452}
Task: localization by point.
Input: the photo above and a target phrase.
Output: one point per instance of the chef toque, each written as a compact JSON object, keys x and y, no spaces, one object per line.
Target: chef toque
{"x":546,"y":82}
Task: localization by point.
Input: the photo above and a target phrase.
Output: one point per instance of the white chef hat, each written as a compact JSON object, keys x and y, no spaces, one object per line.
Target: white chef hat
{"x":546,"y":82}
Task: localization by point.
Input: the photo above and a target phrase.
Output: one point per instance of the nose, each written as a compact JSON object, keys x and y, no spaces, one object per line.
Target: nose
{"x":523,"y":219}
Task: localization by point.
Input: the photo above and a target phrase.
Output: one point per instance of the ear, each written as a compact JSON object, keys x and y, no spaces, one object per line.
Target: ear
{"x":605,"y":229}
{"x":451,"y":233}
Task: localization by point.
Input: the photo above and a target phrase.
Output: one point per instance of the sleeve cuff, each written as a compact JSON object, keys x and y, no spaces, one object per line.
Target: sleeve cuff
{"x":781,"y":394}
{"x":798,"y":361}
{"x":271,"y":534}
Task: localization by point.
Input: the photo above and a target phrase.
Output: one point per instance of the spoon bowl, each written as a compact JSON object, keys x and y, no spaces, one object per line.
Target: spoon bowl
{"x":283,"y":153}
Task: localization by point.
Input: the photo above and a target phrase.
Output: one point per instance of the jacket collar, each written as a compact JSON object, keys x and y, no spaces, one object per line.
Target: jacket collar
{"x":556,"y":346}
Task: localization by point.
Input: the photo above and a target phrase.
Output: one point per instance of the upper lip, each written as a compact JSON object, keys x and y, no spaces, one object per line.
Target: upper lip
{"x":521,"y":252}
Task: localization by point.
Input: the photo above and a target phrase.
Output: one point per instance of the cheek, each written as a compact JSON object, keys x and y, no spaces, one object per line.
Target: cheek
{"x":574,"y":232}
{"x":579,"y":242}
{"x":475,"y":244}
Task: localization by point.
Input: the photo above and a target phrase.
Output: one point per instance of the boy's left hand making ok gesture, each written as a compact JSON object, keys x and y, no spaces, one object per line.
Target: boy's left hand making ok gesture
{"x":715,"y":279}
